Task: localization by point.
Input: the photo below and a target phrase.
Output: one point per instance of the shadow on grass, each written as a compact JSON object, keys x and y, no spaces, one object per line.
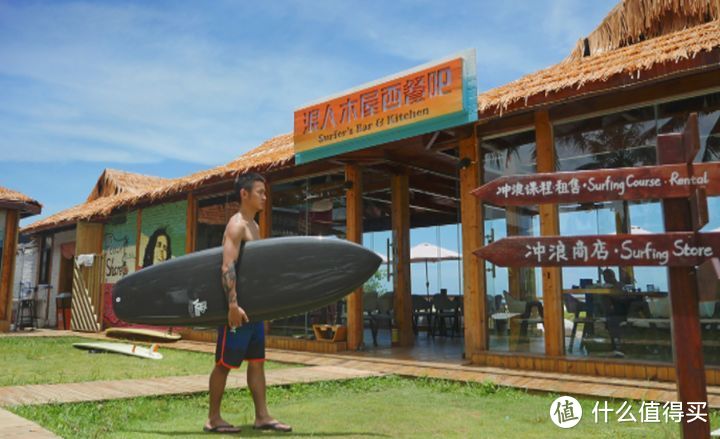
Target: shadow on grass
{"x":249,"y":431}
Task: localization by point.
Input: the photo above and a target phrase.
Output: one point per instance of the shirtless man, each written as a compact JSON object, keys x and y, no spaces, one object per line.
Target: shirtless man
{"x":240,"y":339}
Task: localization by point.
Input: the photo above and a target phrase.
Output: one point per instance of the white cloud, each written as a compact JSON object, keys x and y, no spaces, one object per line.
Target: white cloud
{"x":146,"y":82}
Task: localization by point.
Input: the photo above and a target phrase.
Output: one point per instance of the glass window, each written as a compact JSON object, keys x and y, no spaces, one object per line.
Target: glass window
{"x":212,"y":217}
{"x":514,"y":304}
{"x":309,"y":207}
{"x":672,"y":117}
{"x":610,"y":141}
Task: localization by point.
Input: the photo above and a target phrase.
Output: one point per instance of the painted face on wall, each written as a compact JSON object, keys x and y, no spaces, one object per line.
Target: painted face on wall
{"x":158,"y":249}
{"x":161,"y":249}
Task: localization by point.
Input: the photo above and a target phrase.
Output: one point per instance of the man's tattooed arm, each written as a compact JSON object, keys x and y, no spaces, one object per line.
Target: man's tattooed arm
{"x":228,"y":281}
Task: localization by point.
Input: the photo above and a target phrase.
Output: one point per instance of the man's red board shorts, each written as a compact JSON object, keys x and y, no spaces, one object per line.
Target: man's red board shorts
{"x":244,"y":343}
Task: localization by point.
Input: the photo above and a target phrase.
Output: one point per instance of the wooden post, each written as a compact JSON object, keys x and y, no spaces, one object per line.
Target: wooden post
{"x":266,"y":214}
{"x":190,"y":224}
{"x":138,"y":259}
{"x":401,"y":256}
{"x":473,"y":230}
{"x":266,"y":226}
{"x":684,"y":302}
{"x":549,"y":225}
{"x":354,"y":223}
{"x":7,"y":268}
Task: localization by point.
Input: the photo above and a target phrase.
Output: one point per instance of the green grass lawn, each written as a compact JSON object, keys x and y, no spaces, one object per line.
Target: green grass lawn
{"x":51,"y":360}
{"x":373,"y":407}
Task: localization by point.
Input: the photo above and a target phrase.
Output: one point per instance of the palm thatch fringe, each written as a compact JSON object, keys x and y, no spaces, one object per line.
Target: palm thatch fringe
{"x":11,"y":196}
{"x":630,"y":60}
{"x":633,"y":21}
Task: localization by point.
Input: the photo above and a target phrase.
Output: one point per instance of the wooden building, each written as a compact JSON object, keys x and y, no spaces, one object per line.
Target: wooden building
{"x":13,"y":207}
{"x":62,"y":236}
{"x":639,"y":74}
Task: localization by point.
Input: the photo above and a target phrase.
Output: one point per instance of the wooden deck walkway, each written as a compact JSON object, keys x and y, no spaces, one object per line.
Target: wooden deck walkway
{"x":384,"y":363}
{"x":13,"y":426}
{"x":117,"y":389}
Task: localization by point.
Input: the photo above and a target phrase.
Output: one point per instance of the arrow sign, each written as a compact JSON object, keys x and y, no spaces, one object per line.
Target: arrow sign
{"x":664,"y":249}
{"x":640,"y":183}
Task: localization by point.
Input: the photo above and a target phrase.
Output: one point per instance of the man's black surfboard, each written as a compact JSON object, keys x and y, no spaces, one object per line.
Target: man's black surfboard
{"x":276,"y":278}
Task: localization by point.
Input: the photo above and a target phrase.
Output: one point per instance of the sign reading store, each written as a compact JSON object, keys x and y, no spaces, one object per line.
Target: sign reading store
{"x":428,"y":98}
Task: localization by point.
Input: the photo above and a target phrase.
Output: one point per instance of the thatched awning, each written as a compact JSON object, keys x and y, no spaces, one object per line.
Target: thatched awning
{"x":10,"y":199}
{"x":114,"y":182}
{"x":272,"y":154}
{"x":577,"y":75}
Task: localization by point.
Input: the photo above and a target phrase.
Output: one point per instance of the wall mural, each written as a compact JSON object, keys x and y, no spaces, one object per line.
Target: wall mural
{"x":163,"y":233}
{"x":119,"y":246}
{"x":162,"y":238}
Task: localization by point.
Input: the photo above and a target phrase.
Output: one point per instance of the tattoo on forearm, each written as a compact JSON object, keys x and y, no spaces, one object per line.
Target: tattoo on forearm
{"x":228,"y":281}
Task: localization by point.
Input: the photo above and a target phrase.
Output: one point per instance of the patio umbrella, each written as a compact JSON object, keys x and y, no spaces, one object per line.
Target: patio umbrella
{"x":637,"y":230}
{"x":427,"y":252}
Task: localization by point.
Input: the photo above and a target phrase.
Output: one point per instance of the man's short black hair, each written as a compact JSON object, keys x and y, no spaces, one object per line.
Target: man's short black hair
{"x":246,"y":181}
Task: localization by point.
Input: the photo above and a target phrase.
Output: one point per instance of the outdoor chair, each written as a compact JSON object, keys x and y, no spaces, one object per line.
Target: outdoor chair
{"x":384,"y":315}
{"x":575,"y":306}
{"x":445,"y":310}
{"x":524,"y":308}
{"x":421,"y":307}
{"x":370,"y":309}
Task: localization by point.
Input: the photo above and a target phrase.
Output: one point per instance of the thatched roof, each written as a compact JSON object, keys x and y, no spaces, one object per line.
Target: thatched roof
{"x":273,"y":153}
{"x":609,"y":62}
{"x":113,"y":182}
{"x":87,"y":211}
{"x":10,"y":199}
{"x":633,"y":21}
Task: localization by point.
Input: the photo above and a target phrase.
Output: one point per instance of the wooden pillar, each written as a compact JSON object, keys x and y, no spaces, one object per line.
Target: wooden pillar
{"x":190,"y":224}
{"x":473,"y":230}
{"x":549,"y":225}
{"x":266,"y":214}
{"x":7,"y":271}
{"x":265,"y":223}
{"x":354,"y":226}
{"x":138,"y":236}
{"x":401,"y":257}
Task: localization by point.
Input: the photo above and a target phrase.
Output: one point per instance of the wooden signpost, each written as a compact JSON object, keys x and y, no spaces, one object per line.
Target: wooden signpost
{"x":677,"y":249}
{"x":683,"y":188}
{"x":641,"y":183}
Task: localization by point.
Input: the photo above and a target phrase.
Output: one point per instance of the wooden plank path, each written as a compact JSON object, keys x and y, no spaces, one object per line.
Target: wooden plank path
{"x":601,"y":387}
{"x":118,"y":389}
{"x":590,"y":386}
{"x":13,"y":426}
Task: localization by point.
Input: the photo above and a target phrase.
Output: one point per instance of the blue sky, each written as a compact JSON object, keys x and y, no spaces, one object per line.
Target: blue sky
{"x":172,"y":87}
